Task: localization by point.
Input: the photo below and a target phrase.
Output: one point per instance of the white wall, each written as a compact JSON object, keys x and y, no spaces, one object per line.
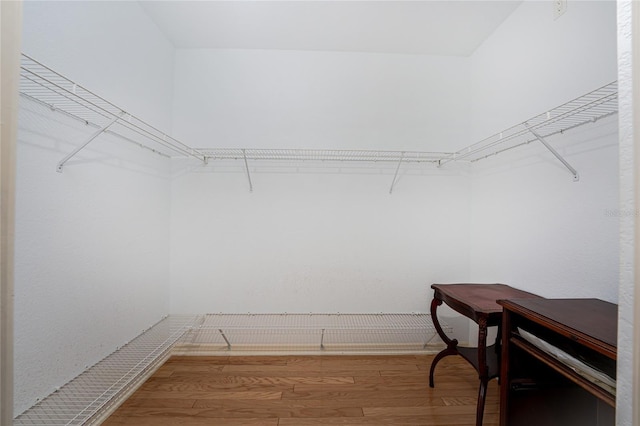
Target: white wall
{"x":532,"y":63}
{"x":317,"y":238}
{"x":92,"y":249}
{"x":331,"y":241}
{"x":330,"y":100}
{"x":112,"y":48}
{"x":532,"y":226}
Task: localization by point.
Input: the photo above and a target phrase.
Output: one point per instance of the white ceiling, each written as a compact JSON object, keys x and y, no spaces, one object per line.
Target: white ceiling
{"x":454,"y":28}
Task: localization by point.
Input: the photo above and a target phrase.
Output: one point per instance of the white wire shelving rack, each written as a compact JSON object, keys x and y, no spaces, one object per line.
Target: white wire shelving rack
{"x":95,"y":393}
{"x":46,"y":86}
{"x":326,"y":333}
{"x":589,"y":108}
{"x":43,"y":85}
{"x":323,"y":155}
{"x":81,"y":401}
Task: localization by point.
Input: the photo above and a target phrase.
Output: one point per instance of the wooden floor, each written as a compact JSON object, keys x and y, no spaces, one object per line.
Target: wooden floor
{"x":308,"y":390}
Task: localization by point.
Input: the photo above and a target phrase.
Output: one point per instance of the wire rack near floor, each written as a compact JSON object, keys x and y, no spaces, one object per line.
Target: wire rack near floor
{"x":89,"y":397}
{"x":310,"y":332}
{"x":82,"y":400}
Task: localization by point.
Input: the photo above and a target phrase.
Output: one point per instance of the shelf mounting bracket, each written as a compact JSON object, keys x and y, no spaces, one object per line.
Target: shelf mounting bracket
{"x":246,"y":166}
{"x":395,"y":177}
{"x":574,"y":172}
{"x":87,"y":142}
{"x":225,"y":339}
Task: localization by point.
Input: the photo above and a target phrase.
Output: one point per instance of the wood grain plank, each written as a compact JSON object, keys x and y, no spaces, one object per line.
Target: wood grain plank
{"x":292,"y":372}
{"x":188,"y":421}
{"x":316,"y":403}
{"x":135,"y":402}
{"x":222,"y":394}
{"x":389,"y":393}
{"x":203,"y":387}
{"x":333,"y":365}
{"x":251,"y":380}
{"x":242,"y":412}
{"x":457,"y":410}
{"x":434,"y":420}
{"x":372,"y":387}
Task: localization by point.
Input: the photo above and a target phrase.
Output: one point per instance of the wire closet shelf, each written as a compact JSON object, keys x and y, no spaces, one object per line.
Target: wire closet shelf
{"x":589,"y":108}
{"x":83,"y":399}
{"x":322,"y":155}
{"x":50,"y":88}
{"x":286,"y":332}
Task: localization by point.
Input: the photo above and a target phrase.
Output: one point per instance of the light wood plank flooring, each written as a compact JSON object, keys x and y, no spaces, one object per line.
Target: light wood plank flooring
{"x":308,"y":390}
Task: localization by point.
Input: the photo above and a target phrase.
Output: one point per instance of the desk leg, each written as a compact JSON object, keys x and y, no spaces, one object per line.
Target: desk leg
{"x":451,"y":348}
{"x":483,"y":368}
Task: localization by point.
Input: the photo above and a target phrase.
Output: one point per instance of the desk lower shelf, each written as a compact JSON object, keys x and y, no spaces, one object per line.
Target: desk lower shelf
{"x":492,"y":361}
{"x":565,"y":371}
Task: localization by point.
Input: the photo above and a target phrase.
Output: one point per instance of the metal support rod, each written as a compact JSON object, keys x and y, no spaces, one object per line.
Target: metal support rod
{"x":573,"y":171}
{"x":396,"y":175}
{"x":87,"y":142}
{"x":322,"y":340}
{"x":225,"y":339}
{"x":428,"y":341}
{"x":246,"y":166}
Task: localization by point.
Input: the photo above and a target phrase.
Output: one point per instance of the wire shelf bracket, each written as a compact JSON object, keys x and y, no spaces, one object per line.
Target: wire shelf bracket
{"x":246,"y":167}
{"x":87,"y":142}
{"x":574,"y":172}
{"x":395,"y":177}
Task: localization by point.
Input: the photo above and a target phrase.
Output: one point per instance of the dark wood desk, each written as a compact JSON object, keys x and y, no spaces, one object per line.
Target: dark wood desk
{"x":477,"y":302}
{"x":538,"y":388}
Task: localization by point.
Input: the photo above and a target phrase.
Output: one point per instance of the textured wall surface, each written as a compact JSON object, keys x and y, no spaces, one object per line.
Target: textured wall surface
{"x":532,"y":226}
{"x":331,"y":240}
{"x":330,"y":100}
{"x":628,"y":217}
{"x":92,"y":250}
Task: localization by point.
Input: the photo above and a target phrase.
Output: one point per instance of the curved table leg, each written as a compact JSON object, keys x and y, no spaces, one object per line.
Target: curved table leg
{"x":451,"y":348}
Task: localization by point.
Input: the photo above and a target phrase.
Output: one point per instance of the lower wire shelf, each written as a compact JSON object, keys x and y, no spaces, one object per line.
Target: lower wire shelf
{"x":94,"y":391}
{"x":310,"y":333}
{"x":91,"y":396}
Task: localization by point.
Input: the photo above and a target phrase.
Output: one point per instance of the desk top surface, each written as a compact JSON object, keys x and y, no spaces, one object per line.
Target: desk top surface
{"x":594,"y":318}
{"x":478,"y":298}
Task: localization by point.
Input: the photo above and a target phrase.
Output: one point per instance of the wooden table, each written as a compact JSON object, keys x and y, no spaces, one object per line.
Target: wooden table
{"x":477,"y":302}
